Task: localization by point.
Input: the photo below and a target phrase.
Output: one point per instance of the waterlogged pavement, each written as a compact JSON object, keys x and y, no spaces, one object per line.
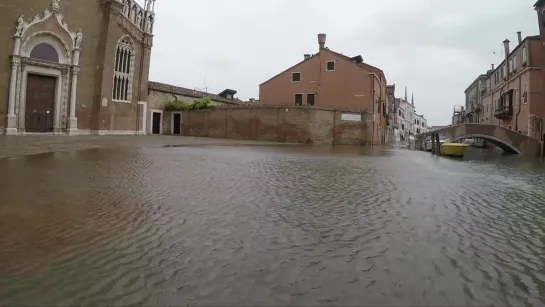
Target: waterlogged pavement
{"x":17,"y":146}
{"x":132,"y":222}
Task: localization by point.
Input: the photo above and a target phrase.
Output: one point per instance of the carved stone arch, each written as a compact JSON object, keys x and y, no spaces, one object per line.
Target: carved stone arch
{"x":52,"y":23}
{"x":128,"y":39}
{"x":49,"y":38}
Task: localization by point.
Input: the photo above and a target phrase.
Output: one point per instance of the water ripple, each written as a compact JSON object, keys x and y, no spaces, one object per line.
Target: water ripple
{"x":269,"y":226}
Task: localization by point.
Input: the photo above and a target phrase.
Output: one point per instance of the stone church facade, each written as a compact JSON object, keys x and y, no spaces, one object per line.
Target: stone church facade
{"x":74,"y":66}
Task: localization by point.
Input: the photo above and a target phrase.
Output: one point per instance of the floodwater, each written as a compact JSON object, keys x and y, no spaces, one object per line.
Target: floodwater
{"x":270,"y":226}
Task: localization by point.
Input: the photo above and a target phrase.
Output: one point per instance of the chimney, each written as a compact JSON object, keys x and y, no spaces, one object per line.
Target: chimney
{"x":321,"y":40}
{"x":519,"y":34}
{"x":307,"y":56}
{"x":492,"y":66}
{"x":506,"y":46}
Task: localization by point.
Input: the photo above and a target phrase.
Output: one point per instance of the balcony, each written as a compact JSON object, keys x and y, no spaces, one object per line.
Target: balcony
{"x":503,"y":112}
{"x":478,"y":108}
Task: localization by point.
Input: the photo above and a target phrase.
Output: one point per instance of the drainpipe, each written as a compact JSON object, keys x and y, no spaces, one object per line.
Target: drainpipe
{"x":507,"y":69}
{"x":373,"y":108}
{"x":506,"y":47}
{"x":373,"y":88}
{"x":321,"y":44}
{"x":519,"y":104}
{"x":530,"y":126}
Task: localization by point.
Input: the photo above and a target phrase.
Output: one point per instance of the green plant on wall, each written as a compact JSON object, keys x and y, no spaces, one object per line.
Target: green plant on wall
{"x":202,"y":104}
{"x":176,"y":105}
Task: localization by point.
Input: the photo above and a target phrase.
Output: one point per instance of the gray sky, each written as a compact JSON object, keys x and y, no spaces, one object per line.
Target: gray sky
{"x":435,"y":47}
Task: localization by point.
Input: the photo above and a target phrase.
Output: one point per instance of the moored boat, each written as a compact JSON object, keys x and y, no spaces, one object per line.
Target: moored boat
{"x":428,"y":145}
{"x":454,"y":149}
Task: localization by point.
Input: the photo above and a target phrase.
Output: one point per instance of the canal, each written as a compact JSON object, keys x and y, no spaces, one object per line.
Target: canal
{"x":264,"y":225}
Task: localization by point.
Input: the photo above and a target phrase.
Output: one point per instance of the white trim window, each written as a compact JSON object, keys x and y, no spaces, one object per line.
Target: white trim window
{"x":123,"y":71}
{"x":524,"y":54}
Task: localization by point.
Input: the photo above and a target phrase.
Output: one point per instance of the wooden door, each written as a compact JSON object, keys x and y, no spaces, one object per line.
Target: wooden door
{"x":40,"y":103}
{"x":177,"y":123}
{"x":156,"y":123}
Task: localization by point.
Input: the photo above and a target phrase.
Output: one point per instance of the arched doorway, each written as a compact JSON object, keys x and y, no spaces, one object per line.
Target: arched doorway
{"x":40,"y":93}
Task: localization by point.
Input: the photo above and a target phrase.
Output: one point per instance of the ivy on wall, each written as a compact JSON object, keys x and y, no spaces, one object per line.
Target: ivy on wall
{"x":198,"y":104}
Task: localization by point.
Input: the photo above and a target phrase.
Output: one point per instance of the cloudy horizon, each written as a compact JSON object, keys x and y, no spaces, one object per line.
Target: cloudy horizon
{"x":435,"y":48}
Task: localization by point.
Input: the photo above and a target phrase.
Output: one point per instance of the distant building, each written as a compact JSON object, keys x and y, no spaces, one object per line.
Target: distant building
{"x":513,"y":97}
{"x":473,"y":105}
{"x":332,"y":80}
{"x":421,"y":124}
{"x":228,"y":94}
{"x":458,"y":115}
{"x":406,"y":118}
{"x":392,"y":113}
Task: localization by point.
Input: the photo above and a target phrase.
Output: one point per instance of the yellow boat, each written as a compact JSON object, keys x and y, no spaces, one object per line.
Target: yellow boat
{"x":454,"y":149}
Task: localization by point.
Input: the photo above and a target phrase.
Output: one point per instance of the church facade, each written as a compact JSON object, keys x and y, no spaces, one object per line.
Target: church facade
{"x":74,"y":66}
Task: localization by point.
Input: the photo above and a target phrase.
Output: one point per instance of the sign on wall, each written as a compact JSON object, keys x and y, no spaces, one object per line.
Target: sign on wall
{"x":351,"y":117}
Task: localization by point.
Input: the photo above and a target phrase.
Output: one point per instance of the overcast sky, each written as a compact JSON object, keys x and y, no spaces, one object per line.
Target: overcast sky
{"x":434,"y":47}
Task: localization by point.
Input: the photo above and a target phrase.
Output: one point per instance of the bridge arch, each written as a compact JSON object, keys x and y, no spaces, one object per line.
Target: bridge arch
{"x":508,"y":140}
{"x":508,"y":148}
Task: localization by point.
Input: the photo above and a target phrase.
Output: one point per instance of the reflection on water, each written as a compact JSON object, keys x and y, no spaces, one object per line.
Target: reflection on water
{"x":270,"y":226}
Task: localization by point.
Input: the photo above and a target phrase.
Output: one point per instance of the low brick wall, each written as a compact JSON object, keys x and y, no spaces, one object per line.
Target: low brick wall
{"x":280,"y":124}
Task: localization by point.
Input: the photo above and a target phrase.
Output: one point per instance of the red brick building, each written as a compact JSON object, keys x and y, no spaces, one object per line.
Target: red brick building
{"x":74,"y":67}
{"x":331,"y":80}
{"x":512,"y":96}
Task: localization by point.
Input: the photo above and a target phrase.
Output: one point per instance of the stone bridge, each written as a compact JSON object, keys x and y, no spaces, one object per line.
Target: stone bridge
{"x":508,"y":140}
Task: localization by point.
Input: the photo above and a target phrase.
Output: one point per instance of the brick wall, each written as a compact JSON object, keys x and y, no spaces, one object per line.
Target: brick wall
{"x":157,"y":101}
{"x":279,"y":124}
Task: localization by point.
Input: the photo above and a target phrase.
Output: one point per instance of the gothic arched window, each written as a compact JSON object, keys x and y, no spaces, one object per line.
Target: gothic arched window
{"x":123,"y":71}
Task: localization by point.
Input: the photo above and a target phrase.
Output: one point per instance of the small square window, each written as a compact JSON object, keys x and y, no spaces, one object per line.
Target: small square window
{"x":310,"y":99}
{"x":330,"y":66}
{"x":298,"y":99}
{"x":296,"y":77}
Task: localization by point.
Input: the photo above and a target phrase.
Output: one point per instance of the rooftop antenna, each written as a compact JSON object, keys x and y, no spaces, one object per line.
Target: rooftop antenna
{"x":205,"y":89}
